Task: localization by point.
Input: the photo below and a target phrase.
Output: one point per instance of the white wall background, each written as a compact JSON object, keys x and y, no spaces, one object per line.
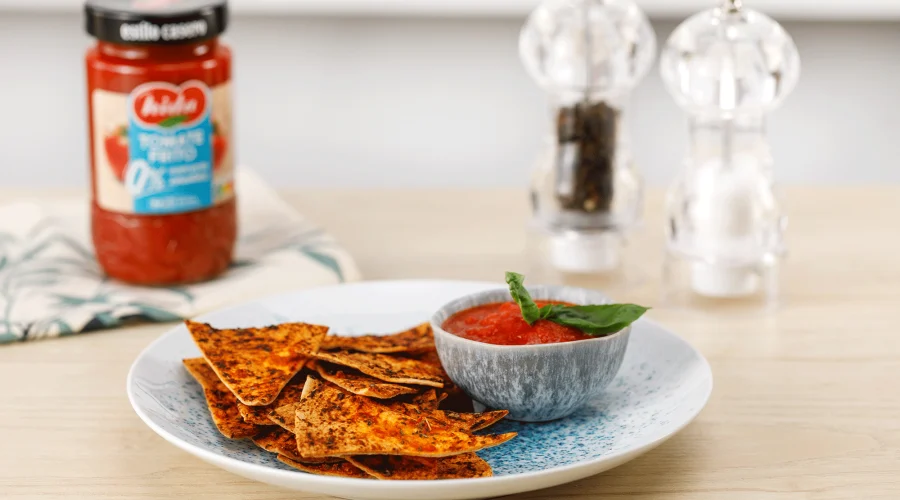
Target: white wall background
{"x":338,"y":101}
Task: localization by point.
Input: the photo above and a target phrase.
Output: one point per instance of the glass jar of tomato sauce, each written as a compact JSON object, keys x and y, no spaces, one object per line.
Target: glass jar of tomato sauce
{"x":159,"y":102}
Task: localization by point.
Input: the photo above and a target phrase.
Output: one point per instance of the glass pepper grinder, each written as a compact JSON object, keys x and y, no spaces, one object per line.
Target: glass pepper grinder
{"x":586,"y":194}
{"x":727,"y":67}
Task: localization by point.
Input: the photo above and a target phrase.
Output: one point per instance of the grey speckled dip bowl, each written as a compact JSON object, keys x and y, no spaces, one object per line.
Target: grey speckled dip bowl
{"x":536,"y":383}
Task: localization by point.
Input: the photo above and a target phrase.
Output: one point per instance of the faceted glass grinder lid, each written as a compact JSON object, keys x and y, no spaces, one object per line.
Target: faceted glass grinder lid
{"x":587,"y":47}
{"x":730,"y":60}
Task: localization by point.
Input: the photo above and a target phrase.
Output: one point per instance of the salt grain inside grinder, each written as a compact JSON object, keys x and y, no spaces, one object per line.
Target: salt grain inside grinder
{"x":586,"y":193}
{"x":727,"y":67}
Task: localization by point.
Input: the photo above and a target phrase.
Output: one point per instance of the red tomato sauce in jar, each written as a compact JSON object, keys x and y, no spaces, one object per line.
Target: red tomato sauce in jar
{"x":501,"y":323}
{"x":159,"y":104}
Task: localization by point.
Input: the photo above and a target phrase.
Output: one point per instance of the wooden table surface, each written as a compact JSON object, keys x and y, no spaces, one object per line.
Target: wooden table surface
{"x":806,"y":402}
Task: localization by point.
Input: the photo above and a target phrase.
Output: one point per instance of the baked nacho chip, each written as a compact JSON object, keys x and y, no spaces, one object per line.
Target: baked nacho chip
{"x":330,"y":422}
{"x":282,"y":442}
{"x":311,"y":384}
{"x":221,"y":402}
{"x":467,"y":465}
{"x":259,"y":415}
{"x":340,"y":469}
{"x":256,"y":363}
{"x":472,"y":421}
{"x":444,"y":419}
{"x":387,"y":368}
{"x":426,"y":401}
{"x":456,"y":399}
{"x":422,"y":406}
{"x":429,"y":356}
{"x":278,"y":440}
{"x":283,"y":416}
{"x":361,"y":384}
{"x":416,"y":339}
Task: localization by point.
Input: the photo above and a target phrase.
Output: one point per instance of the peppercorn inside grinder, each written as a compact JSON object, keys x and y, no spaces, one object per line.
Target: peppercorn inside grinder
{"x":586,"y":194}
{"x":727,"y":67}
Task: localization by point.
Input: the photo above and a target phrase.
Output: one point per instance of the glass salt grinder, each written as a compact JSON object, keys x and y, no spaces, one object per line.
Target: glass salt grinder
{"x":727,"y":67}
{"x":586,"y":194}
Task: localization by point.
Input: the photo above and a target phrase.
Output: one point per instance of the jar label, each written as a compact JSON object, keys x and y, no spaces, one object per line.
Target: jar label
{"x":163,"y":148}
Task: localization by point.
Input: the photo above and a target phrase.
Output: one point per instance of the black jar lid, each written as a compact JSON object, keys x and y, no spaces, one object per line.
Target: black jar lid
{"x":155,"y":22}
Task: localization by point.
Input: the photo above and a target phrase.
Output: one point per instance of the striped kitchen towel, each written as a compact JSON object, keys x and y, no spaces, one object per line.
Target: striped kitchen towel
{"x":51,"y":285}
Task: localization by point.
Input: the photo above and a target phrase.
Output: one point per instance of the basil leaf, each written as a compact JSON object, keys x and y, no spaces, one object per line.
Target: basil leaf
{"x":546,"y":312}
{"x":172,"y":121}
{"x":520,"y":295}
{"x":597,"y":320}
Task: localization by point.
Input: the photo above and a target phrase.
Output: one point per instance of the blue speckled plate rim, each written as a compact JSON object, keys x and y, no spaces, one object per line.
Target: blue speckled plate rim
{"x":231,"y":464}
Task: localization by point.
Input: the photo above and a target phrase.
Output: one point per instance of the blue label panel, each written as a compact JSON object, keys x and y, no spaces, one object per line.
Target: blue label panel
{"x":170,"y":167}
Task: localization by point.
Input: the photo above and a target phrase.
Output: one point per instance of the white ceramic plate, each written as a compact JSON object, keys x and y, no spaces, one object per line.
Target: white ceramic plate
{"x":662,"y":385}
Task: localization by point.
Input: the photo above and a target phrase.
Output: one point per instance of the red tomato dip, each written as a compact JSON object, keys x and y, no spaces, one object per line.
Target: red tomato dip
{"x":501,"y":323}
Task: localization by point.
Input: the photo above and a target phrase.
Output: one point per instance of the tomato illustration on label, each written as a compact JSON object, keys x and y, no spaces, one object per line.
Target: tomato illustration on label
{"x":220,"y":146}
{"x":116,"y":146}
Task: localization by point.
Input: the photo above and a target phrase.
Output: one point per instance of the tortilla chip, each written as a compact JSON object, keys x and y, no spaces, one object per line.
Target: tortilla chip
{"x":415,"y":339}
{"x":259,"y":415}
{"x":357,"y":383}
{"x":340,"y":469}
{"x":429,"y":356}
{"x":456,"y":399}
{"x":387,"y":368}
{"x":467,"y":465}
{"x":426,"y":401}
{"x":284,"y":415}
{"x":423,"y":406}
{"x":282,"y":442}
{"x":256,"y":363}
{"x":251,"y":414}
{"x":311,"y":384}
{"x":438,"y":419}
{"x":472,"y":421}
{"x":330,"y":422}
{"x":221,"y":402}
